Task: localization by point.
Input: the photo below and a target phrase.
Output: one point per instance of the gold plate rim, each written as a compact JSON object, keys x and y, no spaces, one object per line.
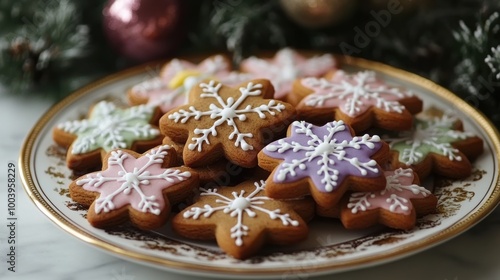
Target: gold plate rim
{"x":486,"y":208}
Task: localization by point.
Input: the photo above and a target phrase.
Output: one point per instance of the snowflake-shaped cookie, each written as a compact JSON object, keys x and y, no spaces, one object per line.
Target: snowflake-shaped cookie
{"x":359,"y":99}
{"x":135,"y":187}
{"x":106,"y":128}
{"x":435,"y":145}
{"x":397,"y":206}
{"x":171,"y":87}
{"x":222,"y":121}
{"x":286,"y":66}
{"x":242,"y":219}
{"x":323,"y":161}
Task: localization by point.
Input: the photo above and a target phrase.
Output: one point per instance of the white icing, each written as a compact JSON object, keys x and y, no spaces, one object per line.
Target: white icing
{"x":397,"y":202}
{"x":240,"y":203}
{"x":191,"y":81}
{"x":360,"y":201}
{"x":238,"y":206}
{"x":225,"y":112}
{"x":289,"y":73}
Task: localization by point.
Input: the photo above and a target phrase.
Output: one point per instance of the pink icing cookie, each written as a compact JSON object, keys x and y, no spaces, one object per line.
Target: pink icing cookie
{"x":323,"y":162}
{"x":170,"y":89}
{"x":397,"y":206}
{"x":286,"y":66}
{"x":359,"y":99}
{"x":139,"y":188}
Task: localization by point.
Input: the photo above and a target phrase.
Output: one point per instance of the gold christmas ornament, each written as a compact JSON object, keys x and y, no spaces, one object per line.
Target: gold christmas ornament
{"x":318,"y":13}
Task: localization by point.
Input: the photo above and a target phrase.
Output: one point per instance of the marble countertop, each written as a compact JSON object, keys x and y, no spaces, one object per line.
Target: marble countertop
{"x":42,"y":248}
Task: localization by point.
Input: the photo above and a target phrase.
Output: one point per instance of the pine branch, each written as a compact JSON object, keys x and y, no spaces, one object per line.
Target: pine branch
{"x":477,"y":77}
{"x":41,"y":47}
{"x":240,"y":26}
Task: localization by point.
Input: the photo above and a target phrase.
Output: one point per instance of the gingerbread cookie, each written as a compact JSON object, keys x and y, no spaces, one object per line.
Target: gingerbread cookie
{"x":397,"y":206}
{"x":286,"y":66}
{"x":359,"y":99}
{"x":107,"y":127}
{"x":225,"y":122}
{"x":435,"y":145}
{"x":171,"y":87}
{"x":324,"y":162}
{"x":139,"y":188}
{"x":242,"y":219}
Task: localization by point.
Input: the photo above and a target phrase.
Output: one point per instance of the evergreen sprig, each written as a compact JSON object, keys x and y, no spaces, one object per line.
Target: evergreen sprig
{"x":41,"y":47}
{"x":476,"y":76}
{"x":240,"y":27}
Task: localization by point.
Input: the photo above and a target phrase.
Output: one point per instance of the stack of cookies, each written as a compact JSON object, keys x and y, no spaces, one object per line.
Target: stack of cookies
{"x":256,"y":154}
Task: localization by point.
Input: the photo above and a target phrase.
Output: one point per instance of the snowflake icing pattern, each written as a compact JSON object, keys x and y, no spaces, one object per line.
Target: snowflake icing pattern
{"x":138,"y":182}
{"x":326,"y":154}
{"x":239,"y":206}
{"x":225,"y":112}
{"x":111,"y":128}
{"x":428,"y":136}
{"x":354,"y":94}
{"x":286,"y":66}
{"x":395,"y":197}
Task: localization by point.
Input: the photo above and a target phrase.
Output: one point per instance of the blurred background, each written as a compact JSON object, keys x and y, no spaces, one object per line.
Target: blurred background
{"x":49,"y":48}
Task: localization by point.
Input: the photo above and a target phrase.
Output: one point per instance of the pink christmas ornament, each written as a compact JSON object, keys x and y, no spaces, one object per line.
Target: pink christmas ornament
{"x":143,"y":30}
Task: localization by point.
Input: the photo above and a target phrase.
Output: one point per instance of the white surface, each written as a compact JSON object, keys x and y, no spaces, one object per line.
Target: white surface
{"x":43,"y":251}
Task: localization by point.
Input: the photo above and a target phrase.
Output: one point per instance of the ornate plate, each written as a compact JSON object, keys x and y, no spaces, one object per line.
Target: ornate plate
{"x":330,"y":248}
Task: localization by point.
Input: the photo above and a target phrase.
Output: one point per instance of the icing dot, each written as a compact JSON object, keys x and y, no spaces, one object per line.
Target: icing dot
{"x":271,"y":148}
{"x":240,"y":203}
{"x":131,"y":178}
{"x":228,"y":113}
{"x":289,"y":73}
{"x":281,"y":176}
{"x":190,"y":81}
{"x":106,"y":124}
{"x":325,"y":147}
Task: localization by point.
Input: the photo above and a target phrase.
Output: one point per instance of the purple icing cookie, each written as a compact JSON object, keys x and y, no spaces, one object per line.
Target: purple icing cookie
{"x":323,"y":161}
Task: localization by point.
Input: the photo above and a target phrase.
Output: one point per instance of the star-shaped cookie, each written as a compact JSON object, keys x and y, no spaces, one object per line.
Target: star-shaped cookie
{"x":226,"y":122}
{"x":324,"y":162}
{"x":107,"y":127}
{"x":286,"y":66}
{"x":242,"y":219}
{"x":359,"y":99}
{"x":139,"y":188}
{"x":435,"y":145}
{"x":397,"y":206}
